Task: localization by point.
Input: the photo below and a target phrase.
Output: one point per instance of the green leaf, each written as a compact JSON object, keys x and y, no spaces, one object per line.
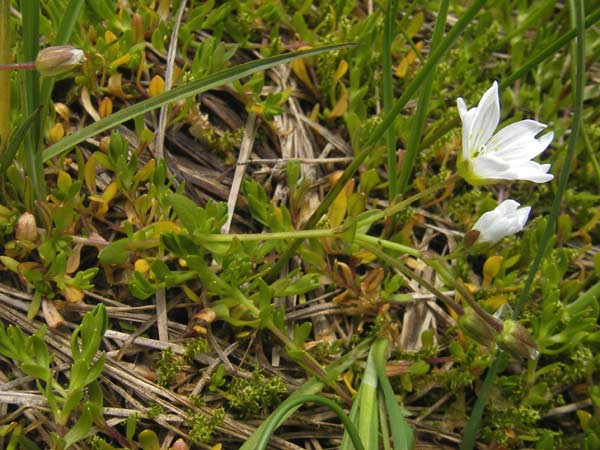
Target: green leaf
{"x":140,"y":287}
{"x":115,"y":253}
{"x":148,"y":440}
{"x":191,"y":215}
{"x":81,"y":428}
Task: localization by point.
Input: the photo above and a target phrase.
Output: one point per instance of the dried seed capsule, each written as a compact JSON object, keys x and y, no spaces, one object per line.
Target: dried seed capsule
{"x":58,"y":60}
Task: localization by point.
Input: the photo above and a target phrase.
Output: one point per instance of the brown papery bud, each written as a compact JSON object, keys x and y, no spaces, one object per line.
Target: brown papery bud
{"x":58,"y":60}
{"x":26,"y":228}
{"x":474,"y":326}
{"x":516,"y":340}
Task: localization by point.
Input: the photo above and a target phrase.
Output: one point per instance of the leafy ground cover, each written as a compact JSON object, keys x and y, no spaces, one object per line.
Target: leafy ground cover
{"x":247,"y":223}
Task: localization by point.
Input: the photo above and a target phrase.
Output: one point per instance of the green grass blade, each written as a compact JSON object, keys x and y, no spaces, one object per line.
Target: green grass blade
{"x":5,"y":44}
{"x":368,"y":423}
{"x":15,"y":141}
{"x":421,"y":114}
{"x":579,"y":61}
{"x":30,"y":11}
{"x":378,"y":133}
{"x":274,"y":421}
{"x":402,"y":433}
{"x":63,"y":36}
{"x":179,"y":93}
{"x":388,"y":95}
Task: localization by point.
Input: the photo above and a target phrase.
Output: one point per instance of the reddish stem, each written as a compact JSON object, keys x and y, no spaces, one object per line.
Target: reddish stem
{"x":18,"y":66}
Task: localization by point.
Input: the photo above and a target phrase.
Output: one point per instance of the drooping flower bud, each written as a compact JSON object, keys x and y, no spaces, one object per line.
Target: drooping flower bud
{"x":58,"y":60}
{"x":516,"y":340}
{"x":474,"y":326}
{"x":26,"y":228}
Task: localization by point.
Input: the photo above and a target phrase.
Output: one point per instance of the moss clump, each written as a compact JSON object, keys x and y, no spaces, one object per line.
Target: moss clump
{"x":167,"y":366}
{"x":202,"y":426}
{"x":260,"y":393}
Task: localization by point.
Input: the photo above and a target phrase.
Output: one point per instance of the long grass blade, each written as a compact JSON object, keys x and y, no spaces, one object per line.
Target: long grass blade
{"x":30,"y":10}
{"x":419,"y":121}
{"x":15,"y":141}
{"x":388,"y":95}
{"x":579,"y":62}
{"x":277,"y":418}
{"x":5,"y":43}
{"x":179,"y":93}
{"x":402,"y":433}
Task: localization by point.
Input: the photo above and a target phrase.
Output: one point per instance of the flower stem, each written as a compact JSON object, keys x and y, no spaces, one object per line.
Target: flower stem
{"x":17,"y":66}
{"x":360,"y":237}
{"x":398,"y":265}
{"x":397,"y":207}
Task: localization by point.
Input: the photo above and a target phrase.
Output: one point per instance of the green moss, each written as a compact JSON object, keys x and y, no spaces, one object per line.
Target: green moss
{"x":194,"y":347}
{"x":202,"y":426}
{"x":260,"y":393}
{"x":168,"y":366}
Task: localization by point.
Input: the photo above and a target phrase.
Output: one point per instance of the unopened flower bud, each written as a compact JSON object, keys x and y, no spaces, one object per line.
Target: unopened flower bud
{"x":516,"y":340}
{"x":180,"y":444}
{"x":26,"y":228}
{"x":474,"y":326}
{"x":58,"y":60}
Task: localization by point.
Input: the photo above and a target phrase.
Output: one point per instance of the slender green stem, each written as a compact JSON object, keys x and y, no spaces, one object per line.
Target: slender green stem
{"x":4,"y":75}
{"x":379,"y":132}
{"x":578,"y":59}
{"x":388,"y":95}
{"x":398,"y":265}
{"x":276,"y":418}
{"x":410,"y":156}
{"x":281,"y":235}
{"x":470,"y":433}
{"x":387,"y":244}
{"x":393,"y":209}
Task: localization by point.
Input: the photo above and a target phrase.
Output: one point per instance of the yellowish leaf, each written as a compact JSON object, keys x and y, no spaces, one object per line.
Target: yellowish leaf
{"x":106,"y":107}
{"x":120,"y":61}
{"x":157,"y":86}
{"x":299,"y":68}
{"x":89,"y":173}
{"x":144,"y":173}
{"x":340,"y":71}
{"x":341,"y":106}
{"x":405,"y":62}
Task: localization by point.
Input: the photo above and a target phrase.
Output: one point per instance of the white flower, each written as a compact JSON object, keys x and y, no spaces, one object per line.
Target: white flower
{"x":487,"y":157}
{"x":503,"y":221}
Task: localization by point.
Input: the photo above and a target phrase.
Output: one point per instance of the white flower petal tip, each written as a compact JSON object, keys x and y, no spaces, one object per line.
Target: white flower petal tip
{"x":487,"y":158}
{"x":493,"y":226}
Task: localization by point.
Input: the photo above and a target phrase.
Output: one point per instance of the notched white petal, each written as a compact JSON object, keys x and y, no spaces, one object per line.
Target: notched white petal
{"x":486,"y":118}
